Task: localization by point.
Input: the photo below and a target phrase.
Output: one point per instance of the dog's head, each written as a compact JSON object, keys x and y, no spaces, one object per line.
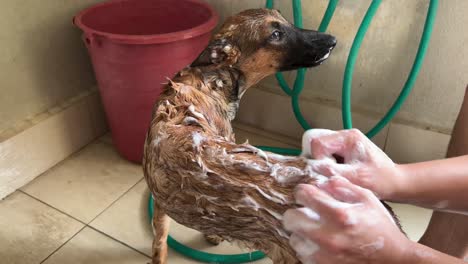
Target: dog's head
{"x":260,"y":42}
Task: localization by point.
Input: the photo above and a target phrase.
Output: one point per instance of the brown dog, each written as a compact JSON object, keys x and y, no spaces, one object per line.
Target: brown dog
{"x":196,"y":173}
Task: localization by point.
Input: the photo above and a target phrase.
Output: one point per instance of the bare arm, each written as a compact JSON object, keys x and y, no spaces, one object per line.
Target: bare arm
{"x":439,"y":184}
{"x":420,"y":254}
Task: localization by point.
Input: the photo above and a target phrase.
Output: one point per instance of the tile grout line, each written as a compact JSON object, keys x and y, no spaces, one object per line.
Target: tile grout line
{"x":115,"y":201}
{"x":117,"y":240}
{"x":85,"y":225}
{"x":49,"y":205}
{"x":108,"y":235}
{"x":64,"y":243}
{"x":74,"y":218}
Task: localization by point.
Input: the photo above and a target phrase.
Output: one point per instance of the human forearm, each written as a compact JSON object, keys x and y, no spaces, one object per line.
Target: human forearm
{"x":439,"y":184}
{"x":420,"y":254}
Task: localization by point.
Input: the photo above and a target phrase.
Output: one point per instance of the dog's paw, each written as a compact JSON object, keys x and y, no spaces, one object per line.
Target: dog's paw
{"x":213,"y":239}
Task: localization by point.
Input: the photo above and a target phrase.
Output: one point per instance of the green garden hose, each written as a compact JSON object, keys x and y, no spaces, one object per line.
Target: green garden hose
{"x":346,"y":106}
{"x":353,"y":53}
{"x":424,"y":43}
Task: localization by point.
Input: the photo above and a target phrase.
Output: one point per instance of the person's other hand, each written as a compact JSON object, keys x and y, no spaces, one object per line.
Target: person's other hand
{"x":342,"y":223}
{"x":359,"y":160}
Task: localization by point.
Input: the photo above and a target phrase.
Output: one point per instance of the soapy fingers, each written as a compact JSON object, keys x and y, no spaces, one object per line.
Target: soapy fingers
{"x":341,"y":223}
{"x":363,"y":163}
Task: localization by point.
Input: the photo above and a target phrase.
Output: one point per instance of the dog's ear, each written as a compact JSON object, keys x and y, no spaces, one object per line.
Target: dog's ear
{"x":219,"y":52}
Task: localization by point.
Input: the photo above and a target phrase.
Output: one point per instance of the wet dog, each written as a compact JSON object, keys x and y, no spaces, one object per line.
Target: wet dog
{"x":196,"y":172}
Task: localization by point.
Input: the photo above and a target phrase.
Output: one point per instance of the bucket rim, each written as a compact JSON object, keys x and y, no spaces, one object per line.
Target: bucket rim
{"x":198,"y":30}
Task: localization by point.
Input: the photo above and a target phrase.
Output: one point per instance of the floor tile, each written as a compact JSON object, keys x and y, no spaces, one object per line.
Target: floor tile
{"x":87,"y":183}
{"x":413,"y":219}
{"x":127,"y":221}
{"x":30,"y":230}
{"x":90,"y":246}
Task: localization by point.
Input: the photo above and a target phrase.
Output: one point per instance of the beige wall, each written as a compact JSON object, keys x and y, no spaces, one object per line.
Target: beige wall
{"x":386,"y":57}
{"x":43,"y":63}
{"x":42,"y":59}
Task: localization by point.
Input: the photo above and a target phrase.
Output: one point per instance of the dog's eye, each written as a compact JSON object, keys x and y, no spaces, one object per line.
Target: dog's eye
{"x":276,"y":35}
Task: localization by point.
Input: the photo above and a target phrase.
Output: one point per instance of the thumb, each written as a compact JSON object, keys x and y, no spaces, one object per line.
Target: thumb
{"x":348,"y":144}
{"x":321,"y":143}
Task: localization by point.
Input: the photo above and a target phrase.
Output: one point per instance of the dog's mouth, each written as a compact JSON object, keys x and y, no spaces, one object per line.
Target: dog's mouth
{"x":309,"y":49}
{"x":323,"y":56}
{"x":309,"y":60}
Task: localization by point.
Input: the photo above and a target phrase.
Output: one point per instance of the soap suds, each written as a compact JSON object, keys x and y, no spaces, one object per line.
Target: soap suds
{"x":358,"y":152}
{"x":453,"y":211}
{"x":373,"y":247}
{"x":285,"y":174}
{"x":189,"y":120}
{"x":197,"y":138}
{"x":254,"y":150}
{"x":195,"y":113}
{"x":313,"y":220}
{"x":346,"y":193}
{"x":282,"y":233}
{"x":303,"y":247}
{"x":308,"y":136}
{"x":269,"y":197}
{"x":159,"y":137}
{"x":274,"y":214}
{"x":423,"y":253}
{"x":311,"y":214}
{"x":250,"y":202}
{"x":281,"y":157}
{"x":442,"y":204}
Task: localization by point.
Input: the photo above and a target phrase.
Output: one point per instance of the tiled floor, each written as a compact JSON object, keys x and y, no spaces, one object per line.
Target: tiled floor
{"x":91,"y":208}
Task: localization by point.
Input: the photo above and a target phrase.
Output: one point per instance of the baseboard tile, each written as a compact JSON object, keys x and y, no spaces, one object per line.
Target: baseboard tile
{"x":48,"y":139}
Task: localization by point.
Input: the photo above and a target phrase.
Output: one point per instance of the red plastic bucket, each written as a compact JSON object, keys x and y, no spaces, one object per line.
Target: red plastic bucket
{"x":134,"y":46}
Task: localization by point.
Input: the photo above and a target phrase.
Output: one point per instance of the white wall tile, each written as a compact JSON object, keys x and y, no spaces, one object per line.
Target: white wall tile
{"x":408,"y":144}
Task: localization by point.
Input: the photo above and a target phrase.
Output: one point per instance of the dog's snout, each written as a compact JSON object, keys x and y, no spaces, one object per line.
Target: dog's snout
{"x":332,"y":41}
{"x":327,"y":40}
{"x":310,"y":48}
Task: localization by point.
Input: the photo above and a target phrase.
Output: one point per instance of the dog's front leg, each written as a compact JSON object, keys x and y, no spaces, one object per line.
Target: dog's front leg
{"x":161,"y":230}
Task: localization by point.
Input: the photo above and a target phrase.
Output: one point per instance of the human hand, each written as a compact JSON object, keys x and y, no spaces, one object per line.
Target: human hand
{"x":363,"y":163}
{"x":343,"y":223}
